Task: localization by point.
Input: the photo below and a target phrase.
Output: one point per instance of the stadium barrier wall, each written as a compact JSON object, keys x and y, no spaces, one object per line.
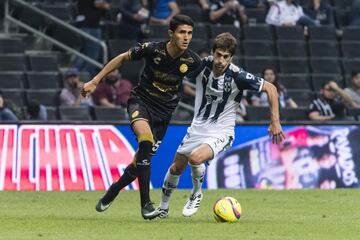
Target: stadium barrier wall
{"x":62,"y":157}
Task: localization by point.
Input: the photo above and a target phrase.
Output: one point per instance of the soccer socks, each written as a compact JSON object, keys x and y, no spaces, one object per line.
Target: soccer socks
{"x":143,"y":170}
{"x":197,"y":174}
{"x":170,"y":183}
{"x":128,"y":177}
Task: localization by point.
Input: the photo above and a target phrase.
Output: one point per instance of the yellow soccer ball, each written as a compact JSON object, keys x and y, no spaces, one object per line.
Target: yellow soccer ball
{"x":227,"y":209}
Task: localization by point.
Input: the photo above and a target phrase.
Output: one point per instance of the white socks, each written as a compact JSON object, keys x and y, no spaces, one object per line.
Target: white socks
{"x":197,"y":174}
{"x":170,"y":183}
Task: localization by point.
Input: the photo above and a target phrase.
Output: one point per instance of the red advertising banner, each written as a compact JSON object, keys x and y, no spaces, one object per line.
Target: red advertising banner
{"x":62,"y":157}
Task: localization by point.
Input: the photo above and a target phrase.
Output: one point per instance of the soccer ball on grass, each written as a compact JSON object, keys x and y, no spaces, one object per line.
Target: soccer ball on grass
{"x":227,"y":209}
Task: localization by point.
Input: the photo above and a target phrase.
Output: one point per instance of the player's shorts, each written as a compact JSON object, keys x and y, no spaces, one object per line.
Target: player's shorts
{"x":217,"y":143}
{"x":139,"y":110}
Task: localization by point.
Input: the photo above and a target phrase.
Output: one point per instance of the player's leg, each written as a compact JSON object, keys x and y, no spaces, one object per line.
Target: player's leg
{"x":146,"y":140}
{"x":128,"y":177}
{"x":196,"y":161}
{"x":171,"y":181}
{"x":210,"y":147}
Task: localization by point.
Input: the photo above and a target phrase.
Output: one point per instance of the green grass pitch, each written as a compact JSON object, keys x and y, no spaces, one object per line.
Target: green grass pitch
{"x":300,"y":214}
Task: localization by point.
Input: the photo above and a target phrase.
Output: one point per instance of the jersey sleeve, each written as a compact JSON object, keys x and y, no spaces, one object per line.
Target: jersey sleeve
{"x":197,"y":67}
{"x":141,"y":51}
{"x":245,"y":80}
{"x":313,"y":107}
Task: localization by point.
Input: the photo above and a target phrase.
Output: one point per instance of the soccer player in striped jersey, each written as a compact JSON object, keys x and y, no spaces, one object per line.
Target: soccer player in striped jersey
{"x":219,"y":88}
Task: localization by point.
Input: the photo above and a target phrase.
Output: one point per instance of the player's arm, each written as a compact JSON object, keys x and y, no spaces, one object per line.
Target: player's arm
{"x":115,"y":63}
{"x":275,"y":130}
{"x":315,"y":116}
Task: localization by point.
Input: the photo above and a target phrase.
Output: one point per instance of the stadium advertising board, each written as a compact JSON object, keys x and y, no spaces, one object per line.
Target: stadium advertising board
{"x":90,"y":157}
{"x":311,"y":157}
{"x":62,"y":157}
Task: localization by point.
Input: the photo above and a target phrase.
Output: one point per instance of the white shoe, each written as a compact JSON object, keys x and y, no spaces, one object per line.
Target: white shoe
{"x":192,"y":205}
{"x":164,"y":213}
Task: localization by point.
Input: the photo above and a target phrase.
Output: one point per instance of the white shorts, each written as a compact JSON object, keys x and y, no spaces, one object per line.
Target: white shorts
{"x":217,"y":143}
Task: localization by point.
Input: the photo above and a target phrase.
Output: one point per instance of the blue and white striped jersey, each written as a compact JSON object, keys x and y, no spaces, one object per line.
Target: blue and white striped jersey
{"x":217,"y":99}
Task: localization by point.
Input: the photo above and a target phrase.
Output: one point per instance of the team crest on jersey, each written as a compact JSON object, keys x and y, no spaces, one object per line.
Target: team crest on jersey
{"x":183,"y":68}
{"x":227,"y":83}
{"x":135,"y":114}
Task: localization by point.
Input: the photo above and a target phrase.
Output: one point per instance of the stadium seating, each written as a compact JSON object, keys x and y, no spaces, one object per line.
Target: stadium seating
{"x":258,"y":32}
{"x":325,"y":65}
{"x":12,"y":80}
{"x":43,"y":80}
{"x":294,"y":114}
{"x":47,"y":97}
{"x":350,"y":49}
{"x":74,"y":113}
{"x":289,"y":33}
{"x":327,"y":33}
{"x":294,"y":65}
{"x":295,"y":81}
{"x":15,"y":95}
{"x":257,"y":113}
{"x":110,"y":114}
{"x":291,"y":48}
{"x":323,"y":49}
{"x":258,"y":48}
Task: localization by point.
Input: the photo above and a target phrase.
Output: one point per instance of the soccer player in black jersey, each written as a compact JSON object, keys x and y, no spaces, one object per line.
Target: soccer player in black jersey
{"x":152,"y":102}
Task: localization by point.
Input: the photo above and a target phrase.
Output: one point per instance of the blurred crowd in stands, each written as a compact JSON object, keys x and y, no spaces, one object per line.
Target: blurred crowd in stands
{"x":306,"y":48}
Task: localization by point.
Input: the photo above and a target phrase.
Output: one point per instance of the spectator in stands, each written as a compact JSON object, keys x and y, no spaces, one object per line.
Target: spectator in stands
{"x":205,"y":7}
{"x":5,"y":113}
{"x":288,"y":13}
{"x":354,"y":90}
{"x":70,"y":95}
{"x":134,"y":16}
{"x":355,"y":13}
{"x":114,"y":91}
{"x":36,"y":111}
{"x":88,"y":19}
{"x":227,"y":12}
{"x":320,"y":11}
{"x":163,"y":11}
{"x":330,"y":104}
{"x":260,"y":99}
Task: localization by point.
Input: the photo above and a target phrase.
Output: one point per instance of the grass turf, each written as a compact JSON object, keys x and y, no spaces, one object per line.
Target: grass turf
{"x":300,"y":214}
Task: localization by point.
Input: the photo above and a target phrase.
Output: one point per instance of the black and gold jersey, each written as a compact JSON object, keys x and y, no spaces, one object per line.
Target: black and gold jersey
{"x":161,"y":80}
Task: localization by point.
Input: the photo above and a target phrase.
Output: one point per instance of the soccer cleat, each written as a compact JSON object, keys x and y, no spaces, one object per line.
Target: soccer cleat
{"x":192,"y":205}
{"x":164,"y":213}
{"x":100,"y":206}
{"x":149,"y":212}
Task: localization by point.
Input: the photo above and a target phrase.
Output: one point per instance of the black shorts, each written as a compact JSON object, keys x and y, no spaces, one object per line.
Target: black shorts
{"x":138,"y":109}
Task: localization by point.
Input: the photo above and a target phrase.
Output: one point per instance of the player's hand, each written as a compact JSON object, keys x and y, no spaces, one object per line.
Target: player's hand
{"x":275,"y":132}
{"x":88,"y":88}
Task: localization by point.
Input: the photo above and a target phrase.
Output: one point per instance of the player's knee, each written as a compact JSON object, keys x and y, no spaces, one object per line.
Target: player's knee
{"x":175,"y":169}
{"x":145,"y":137}
{"x":195,"y":159}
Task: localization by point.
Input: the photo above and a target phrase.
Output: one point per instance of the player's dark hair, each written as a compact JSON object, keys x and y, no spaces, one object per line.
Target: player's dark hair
{"x":180,"y":19}
{"x":225,"y":41}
